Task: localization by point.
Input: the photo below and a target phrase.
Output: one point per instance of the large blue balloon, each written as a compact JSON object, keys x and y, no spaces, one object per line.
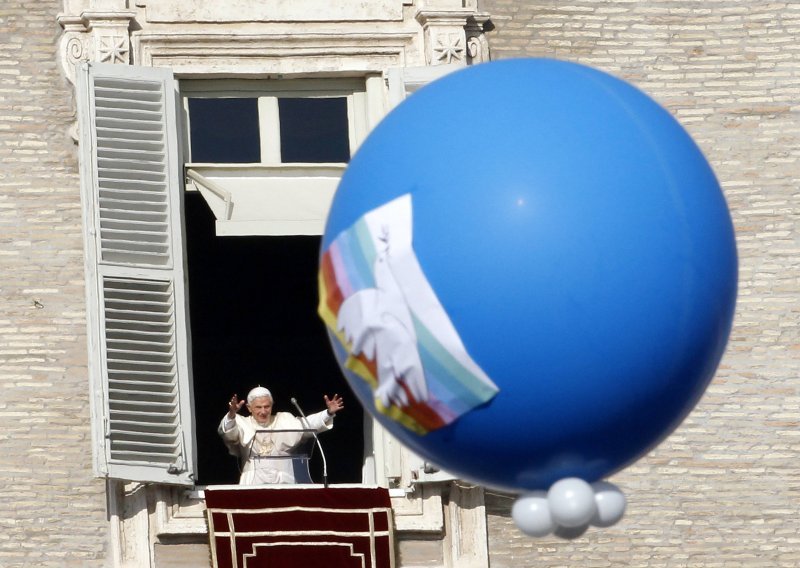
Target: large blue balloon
{"x":583,"y":250}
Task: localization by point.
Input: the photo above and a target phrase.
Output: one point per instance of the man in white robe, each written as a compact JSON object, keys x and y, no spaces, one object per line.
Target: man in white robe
{"x":261,"y":441}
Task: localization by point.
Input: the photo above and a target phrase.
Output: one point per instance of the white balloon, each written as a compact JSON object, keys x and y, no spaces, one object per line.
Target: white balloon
{"x":571,"y":533}
{"x":531,"y":514}
{"x":571,"y":502}
{"x":610,"y":502}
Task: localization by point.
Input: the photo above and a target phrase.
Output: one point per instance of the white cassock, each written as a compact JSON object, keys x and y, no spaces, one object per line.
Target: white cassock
{"x":262,"y":454}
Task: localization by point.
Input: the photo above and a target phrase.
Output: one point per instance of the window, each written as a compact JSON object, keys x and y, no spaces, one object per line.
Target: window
{"x":277,"y":150}
{"x":143,"y":398}
{"x":313,"y":130}
{"x":267,"y":155}
{"x":270,"y":123}
{"x":224,"y":130}
{"x":310,"y":130}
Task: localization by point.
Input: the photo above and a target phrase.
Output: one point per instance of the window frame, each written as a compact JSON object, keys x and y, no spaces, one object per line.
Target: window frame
{"x":268,"y":91}
{"x":270,"y":191}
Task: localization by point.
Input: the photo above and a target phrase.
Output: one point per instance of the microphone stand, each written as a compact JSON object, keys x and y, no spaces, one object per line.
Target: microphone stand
{"x":316,"y":439}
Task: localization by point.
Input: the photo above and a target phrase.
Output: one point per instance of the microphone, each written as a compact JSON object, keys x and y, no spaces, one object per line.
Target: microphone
{"x":314,"y":433}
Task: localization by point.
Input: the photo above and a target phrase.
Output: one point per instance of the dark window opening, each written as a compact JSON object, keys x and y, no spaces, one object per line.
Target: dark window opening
{"x":224,"y":131}
{"x":253,"y":303}
{"x":314,"y":130}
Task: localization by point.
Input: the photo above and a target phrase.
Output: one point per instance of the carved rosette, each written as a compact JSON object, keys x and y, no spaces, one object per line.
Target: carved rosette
{"x":448,"y":47}
{"x":454,"y":37}
{"x":112,"y":47}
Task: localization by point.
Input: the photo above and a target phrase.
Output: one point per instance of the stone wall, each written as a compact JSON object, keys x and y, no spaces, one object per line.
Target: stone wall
{"x":52,"y":510}
{"x":723,"y":490}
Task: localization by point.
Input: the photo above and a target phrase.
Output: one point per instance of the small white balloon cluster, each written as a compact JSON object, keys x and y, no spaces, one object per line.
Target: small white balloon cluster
{"x":568,"y":508}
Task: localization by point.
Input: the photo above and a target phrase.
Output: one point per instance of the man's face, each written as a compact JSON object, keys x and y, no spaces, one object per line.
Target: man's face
{"x":261,"y":408}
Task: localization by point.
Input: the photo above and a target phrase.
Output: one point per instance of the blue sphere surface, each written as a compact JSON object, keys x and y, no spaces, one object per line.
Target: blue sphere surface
{"x":583,"y":250}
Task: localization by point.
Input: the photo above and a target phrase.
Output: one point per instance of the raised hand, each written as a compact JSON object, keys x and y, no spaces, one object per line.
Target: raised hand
{"x":234,"y":406}
{"x":334,"y":404}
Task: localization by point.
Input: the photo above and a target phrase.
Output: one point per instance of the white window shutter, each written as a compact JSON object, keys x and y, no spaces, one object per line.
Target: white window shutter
{"x":136,"y":290}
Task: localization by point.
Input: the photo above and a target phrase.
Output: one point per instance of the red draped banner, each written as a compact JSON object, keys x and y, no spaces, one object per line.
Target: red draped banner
{"x":295,"y":526}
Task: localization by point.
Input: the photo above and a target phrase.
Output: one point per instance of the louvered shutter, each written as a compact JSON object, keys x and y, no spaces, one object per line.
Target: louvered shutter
{"x":136,"y":291}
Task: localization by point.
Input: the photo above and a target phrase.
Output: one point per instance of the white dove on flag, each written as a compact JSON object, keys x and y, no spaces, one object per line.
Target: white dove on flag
{"x":377,"y":322}
{"x":378,"y":303}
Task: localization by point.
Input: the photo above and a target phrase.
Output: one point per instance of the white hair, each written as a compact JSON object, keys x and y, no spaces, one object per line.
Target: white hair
{"x":258,"y":392}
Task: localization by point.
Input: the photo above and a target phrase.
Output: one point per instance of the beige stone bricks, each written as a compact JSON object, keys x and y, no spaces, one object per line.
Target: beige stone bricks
{"x":52,"y":509}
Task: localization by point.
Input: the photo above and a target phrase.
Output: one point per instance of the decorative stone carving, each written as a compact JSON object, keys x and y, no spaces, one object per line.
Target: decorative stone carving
{"x":453,"y":36}
{"x":477,"y":44}
{"x":73,"y":46}
{"x":112,"y":48}
{"x":95,"y":36}
{"x":449,"y":48}
{"x":276,"y":54}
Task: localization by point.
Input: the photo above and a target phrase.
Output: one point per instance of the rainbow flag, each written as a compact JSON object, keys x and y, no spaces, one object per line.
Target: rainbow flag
{"x":455,"y":383}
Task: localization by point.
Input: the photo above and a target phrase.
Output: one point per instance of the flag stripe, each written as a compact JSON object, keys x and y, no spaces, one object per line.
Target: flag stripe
{"x":458,"y":387}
